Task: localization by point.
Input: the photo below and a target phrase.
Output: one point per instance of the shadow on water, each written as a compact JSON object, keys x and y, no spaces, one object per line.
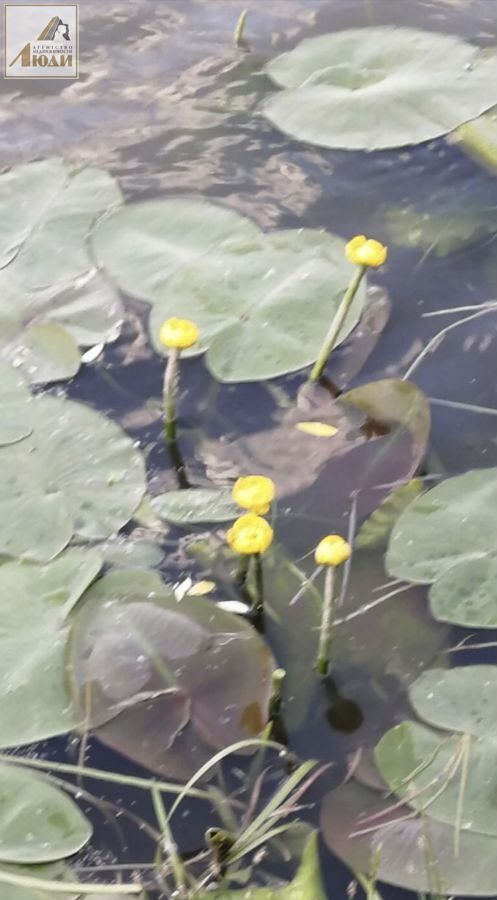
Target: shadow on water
{"x":167,"y":104}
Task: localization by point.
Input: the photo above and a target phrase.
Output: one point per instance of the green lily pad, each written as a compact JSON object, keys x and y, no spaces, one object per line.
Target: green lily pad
{"x":446,"y":536}
{"x":38,"y":822}
{"x":374,"y":88}
{"x":15,"y":400}
{"x":76,"y":475}
{"x":34,"y":702}
{"x":51,"y":296}
{"x":368,"y":833}
{"x":196,"y":506}
{"x":163,"y":681}
{"x":462,"y":699}
{"x":261,"y":301}
{"x":428,"y":772}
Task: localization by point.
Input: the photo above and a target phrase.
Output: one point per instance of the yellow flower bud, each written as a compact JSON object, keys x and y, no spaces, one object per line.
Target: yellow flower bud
{"x":254,"y":492}
{"x":250,"y":534}
{"x":364,"y":251}
{"x":333,"y":550}
{"x":178,"y":334}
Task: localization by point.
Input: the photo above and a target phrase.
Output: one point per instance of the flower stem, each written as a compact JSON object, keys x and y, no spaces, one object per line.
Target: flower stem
{"x":242,"y":570}
{"x":323,"y":658}
{"x":336,"y":324}
{"x":170,"y":379}
{"x":259,"y":584}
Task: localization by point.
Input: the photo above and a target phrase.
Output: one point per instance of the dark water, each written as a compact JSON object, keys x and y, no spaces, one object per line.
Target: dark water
{"x":167,"y":104}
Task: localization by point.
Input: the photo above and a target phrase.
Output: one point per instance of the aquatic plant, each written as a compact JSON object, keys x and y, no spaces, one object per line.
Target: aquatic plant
{"x":176,"y":335}
{"x":331,"y":552}
{"x":364,"y":253}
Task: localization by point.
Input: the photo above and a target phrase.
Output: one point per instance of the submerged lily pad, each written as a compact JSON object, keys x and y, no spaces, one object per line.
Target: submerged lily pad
{"x":371,"y":834}
{"x":450,"y":777}
{"x":76,"y":475}
{"x":195,"y":506}
{"x":38,"y":822}
{"x":34,"y":702}
{"x":51,"y":296}
{"x":446,"y":536}
{"x":163,"y":681}
{"x":374,"y":88}
{"x":261,"y":301}
{"x":381,"y":433}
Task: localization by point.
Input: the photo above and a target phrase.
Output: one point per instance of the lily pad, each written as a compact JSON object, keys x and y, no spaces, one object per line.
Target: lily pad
{"x":369,"y":833}
{"x":462,"y":699}
{"x":15,"y":399}
{"x":380,"y":87}
{"x":195,"y":506}
{"x":52,"y":297}
{"x":261,"y":301}
{"x":76,"y":475}
{"x":38,"y":822}
{"x":446,"y":536}
{"x":451,"y":777}
{"x":34,"y":702}
{"x":164,"y":681}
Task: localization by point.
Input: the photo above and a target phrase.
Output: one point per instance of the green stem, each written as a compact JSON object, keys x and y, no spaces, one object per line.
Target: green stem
{"x":101,"y":775}
{"x":170,"y":379}
{"x":276,"y":685}
{"x":336,"y":324}
{"x":242,"y":569}
{"x":324,"y":649}
{"x":259,"y":584}
{"x":169,"y":843}
{"x":66,"y":887}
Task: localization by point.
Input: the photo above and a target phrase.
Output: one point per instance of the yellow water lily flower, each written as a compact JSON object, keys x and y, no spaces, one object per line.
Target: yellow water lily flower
{"x":363,"y":251}
{"x":317,"y":429}
{"x":333,"y":550}
{"x":254,"y":492}
{"x":178,"y":334}
{"x":250,"y":534}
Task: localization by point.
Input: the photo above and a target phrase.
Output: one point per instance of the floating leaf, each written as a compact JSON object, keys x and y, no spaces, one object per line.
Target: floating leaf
{"x":77,"y":474}
{"x":461,"y":699}
{"x":38,"y":822}
{"x":195,"y":506}
{"x":374,"y":88}
{"x":375,"y":530}
{"x":261,"y":301}
{"x":51,"y":296}
{"x":15,"y":412}
{"x":163,"y":681}
{"x":34,"y":702}
{"x":446,"y":536}
{"x":413,"y":853}
{"x":425,"y":769}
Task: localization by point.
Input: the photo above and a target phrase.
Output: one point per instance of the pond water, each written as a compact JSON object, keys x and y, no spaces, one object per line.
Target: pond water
{"x":169,"y":107}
